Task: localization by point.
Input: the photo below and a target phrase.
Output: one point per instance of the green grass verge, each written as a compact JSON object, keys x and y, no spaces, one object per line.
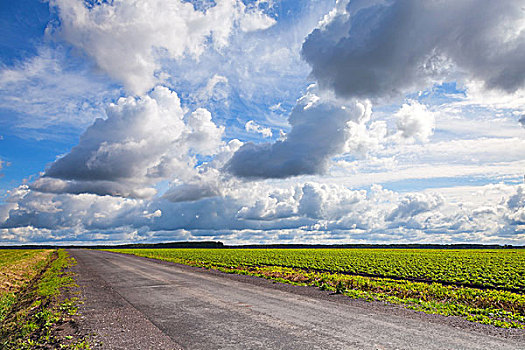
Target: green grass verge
{"x":488,"y":306}
{"x":31,"y":317}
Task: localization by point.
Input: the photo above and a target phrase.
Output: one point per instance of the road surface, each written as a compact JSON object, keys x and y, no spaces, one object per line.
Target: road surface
{"x":138,"y":302}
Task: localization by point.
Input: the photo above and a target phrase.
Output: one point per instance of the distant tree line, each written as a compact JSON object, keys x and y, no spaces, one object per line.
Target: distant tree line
{"x":220,"y":245}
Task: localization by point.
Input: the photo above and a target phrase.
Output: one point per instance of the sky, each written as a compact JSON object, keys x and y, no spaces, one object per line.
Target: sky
{"x":262,"y":121}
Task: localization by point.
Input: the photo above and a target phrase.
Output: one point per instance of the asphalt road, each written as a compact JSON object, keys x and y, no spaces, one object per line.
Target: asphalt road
{"x":145,"y":304}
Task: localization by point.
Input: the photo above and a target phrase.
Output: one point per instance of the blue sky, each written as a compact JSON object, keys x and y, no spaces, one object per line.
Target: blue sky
{"x":262,"y":121}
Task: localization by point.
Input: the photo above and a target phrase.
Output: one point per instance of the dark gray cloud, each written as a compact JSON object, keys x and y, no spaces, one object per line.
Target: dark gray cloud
{"x":319,"y":132}
{"x":375,"y":49}
{"x":188,"y":192}
{"x":522,"y":120}
{"x":100,"y":187}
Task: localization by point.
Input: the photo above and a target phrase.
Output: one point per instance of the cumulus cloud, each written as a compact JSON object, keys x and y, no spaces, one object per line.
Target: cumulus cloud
{"x":252,"y":126}
{"x":142,"y":141}
{"x":415,"y":121}
{"x":321,"y":201}
{"x":378,"y":48}
{"x":414,"y":204}
{"x":329,"y":211}
{"x":126,"y":39}
{"x":255,"y":20}
{"x":319,"y":131}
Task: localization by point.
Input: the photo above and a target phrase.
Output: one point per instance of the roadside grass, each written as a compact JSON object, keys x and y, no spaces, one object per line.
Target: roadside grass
{"x":17,"y":268}
{"x":36,"y":311}
{"x":501,"y":308}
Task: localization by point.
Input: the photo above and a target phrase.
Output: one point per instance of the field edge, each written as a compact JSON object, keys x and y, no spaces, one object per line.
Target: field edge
{"x":42,"y":314}
{"x":502,"y":309}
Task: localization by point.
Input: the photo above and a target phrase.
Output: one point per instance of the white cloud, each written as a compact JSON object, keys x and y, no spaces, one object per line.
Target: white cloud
{"x":126,"y":39}
{"x":331,"y":201}
{"x":252,"y":126}
{"x":461,"y":123}
{"x":365,"y":174}
{"x":494,"y":100}
{"x":255,"y":20}
{"x":214,"y":87}
{"x":415,"y":121}
{"x":365,"y":136}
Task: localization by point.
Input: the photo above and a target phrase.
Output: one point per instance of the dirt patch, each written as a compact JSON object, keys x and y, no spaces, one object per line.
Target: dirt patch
{"x":14,"y":275}
{"x":42,"y":316}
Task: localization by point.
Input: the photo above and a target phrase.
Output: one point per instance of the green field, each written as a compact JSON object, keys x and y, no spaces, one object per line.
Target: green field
{"x":484,"y":286}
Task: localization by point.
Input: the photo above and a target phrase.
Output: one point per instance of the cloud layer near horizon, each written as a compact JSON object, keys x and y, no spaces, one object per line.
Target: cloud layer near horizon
{"x":309,"y":212}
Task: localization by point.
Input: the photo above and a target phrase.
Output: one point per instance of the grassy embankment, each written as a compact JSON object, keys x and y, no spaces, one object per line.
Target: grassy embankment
{"x":484,"y":286}
{"x":32,"y":301}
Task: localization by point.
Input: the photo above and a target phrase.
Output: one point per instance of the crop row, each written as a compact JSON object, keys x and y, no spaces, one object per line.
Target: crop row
{"x":494,"y":269}
{"x":497,"y":307}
